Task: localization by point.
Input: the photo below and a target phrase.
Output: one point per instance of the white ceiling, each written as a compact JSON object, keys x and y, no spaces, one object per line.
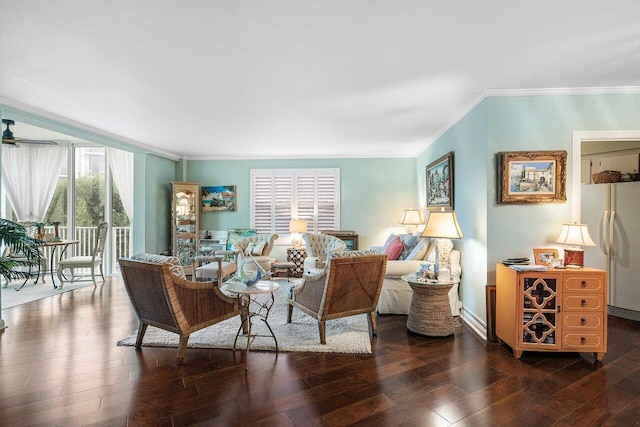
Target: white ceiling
{"x":300,"y":78}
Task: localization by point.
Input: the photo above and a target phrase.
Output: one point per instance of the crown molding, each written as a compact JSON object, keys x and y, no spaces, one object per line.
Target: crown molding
{"x":451,"y":123}
{"x":526,"y":92}
{"x":563,"y":91}
{"x":61,"y":124}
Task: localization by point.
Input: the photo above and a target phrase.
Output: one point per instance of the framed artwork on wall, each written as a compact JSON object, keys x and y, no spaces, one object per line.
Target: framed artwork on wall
{"x":218,"y":198}
{"x":440,"y":183}
{"x":532,"y":176}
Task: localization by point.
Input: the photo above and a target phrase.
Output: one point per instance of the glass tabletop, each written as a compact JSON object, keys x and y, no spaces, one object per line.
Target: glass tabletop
{"x":416,"y":280}
{"x":261,"y":287}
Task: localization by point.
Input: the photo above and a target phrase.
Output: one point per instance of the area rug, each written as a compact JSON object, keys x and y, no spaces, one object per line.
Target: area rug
{"x":346,"y":335}
{"x":31,"y":292}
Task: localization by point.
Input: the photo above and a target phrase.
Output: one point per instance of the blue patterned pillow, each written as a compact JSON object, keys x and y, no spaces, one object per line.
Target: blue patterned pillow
{"x":174,"y":264}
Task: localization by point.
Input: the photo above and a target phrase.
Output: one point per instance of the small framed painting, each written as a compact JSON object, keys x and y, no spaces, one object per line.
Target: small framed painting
{"x":545,"y":256}
{"x":532,"y":176}
{"x":218,"y":198}
{"x":440,"y":183}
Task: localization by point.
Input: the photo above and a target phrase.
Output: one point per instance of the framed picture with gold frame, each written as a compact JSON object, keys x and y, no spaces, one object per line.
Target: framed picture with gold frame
{"x":532,"y":176}
{"x":545,"y":256}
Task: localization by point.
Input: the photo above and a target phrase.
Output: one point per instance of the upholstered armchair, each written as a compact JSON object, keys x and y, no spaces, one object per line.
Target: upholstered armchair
{"x":215,"y":267}
{"x":349,"y":285}
{"x":162,"y":297}
{"x":318,"y":246}
{"x":259,"y":246}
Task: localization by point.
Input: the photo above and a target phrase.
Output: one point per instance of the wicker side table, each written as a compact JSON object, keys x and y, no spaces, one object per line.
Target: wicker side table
{"x":430,"y":311}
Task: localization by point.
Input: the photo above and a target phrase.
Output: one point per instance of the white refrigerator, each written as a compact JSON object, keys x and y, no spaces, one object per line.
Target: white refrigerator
{"x":612,"y":215}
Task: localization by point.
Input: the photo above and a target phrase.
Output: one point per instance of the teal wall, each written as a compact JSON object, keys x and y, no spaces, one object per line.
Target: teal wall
{"x":519,"y":123}
{"x":467,"y":140}
{"x":373,"y":192}
{"x":152,"y":202}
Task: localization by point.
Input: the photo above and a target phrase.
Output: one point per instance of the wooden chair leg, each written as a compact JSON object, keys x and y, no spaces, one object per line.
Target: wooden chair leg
{"x":373,"y":325}
{"x":289,"y":313}
{"x":93,"y":276}
{"x":322,"y":330}
{"x":141,"y":330}
{"x":182,"y":349}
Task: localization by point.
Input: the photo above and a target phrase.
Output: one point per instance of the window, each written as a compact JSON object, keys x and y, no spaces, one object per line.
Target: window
{"x":277,"y":195}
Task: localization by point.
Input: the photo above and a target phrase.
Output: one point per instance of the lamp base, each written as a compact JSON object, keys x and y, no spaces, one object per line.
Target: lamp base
{"x":443,"y":259}
{"x":574,"y":258}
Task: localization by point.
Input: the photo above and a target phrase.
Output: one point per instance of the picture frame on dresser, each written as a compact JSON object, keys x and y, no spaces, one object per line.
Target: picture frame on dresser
{"x":545,"y":256}
{"x":440,"y":183}
{"x":532,"y":176}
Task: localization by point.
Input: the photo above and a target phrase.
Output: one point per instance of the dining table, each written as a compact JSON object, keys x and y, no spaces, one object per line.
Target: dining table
{"x":54,"y":245}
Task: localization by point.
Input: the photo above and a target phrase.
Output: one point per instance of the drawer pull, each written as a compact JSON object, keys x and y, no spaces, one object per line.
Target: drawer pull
{"x":583,"y":302}
{"x":583,"y":340}
{"x":583,"y":321}
{"x":584,"y":283}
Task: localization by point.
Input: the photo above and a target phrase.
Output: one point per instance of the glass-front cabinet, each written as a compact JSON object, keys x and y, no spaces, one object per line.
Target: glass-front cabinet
{"x":185,"y":212}
{"x":540,"y":310}
{"x":555,"y":310}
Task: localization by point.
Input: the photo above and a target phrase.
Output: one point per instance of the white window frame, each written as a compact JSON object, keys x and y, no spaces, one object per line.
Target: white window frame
{"x":299,"y":178}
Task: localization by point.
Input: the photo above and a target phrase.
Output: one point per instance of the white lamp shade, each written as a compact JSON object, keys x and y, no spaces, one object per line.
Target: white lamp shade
{"x":575,"y":235}
{"x":298,"y":226}
{"x":442,"y":225}
{"x":411,"y":217}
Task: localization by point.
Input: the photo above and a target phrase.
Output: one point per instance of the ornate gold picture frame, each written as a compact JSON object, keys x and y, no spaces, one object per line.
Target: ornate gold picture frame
{"x":532,"y":176}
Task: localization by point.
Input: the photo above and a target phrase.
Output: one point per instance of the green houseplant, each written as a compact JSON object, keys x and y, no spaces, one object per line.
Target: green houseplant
{"x":19,"y":250}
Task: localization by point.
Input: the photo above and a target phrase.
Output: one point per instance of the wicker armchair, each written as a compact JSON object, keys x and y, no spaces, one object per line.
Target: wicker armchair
{"x":350,"y":285}
{"x":318,"y":246}
{"x":163,"y":298}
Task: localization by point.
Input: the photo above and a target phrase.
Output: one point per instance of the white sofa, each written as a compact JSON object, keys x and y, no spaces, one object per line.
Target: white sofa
{"x":396,"y":294}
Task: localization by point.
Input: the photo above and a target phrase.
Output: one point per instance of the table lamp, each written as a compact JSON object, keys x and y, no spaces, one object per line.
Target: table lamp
{"x":443,"y":226}
{"x":412,"y":219}
{"x":575,"y":235}
{"x":297,"y":226}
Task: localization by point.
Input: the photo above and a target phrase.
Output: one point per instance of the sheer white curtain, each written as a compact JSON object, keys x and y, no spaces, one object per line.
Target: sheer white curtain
{"x":121,"y":164}
{"x":30,"y":175}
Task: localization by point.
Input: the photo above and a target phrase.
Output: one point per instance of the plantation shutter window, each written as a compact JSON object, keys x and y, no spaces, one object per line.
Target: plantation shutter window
{"x":278,"y":195}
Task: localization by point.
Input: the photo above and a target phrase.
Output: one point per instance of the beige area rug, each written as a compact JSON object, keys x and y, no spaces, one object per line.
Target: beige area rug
{"x":31,"y":292}
{"x":346,"y":335}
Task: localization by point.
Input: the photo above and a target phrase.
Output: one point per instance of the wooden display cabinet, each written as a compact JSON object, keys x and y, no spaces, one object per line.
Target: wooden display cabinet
{"x":185,"y":222}
{"x":557,"y":310}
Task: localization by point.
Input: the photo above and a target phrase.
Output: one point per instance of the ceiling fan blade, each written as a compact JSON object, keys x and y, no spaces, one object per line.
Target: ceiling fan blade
{"x":36,"y":141}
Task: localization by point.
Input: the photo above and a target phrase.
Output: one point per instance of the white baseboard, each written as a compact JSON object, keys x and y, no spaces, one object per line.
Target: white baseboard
{"x":473,"y":322}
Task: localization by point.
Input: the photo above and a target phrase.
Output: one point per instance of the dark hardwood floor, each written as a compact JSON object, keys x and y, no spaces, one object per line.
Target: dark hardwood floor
{"x":60,"y":365}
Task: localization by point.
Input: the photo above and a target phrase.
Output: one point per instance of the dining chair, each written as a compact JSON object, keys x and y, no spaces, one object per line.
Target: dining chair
{"x":86,"y":261}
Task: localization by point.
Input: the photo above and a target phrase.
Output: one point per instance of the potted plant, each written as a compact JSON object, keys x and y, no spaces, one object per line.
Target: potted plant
{"x":14,"y":237}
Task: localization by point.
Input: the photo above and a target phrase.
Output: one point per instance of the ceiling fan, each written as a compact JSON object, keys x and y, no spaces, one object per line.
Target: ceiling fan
{"x":8,"y":138}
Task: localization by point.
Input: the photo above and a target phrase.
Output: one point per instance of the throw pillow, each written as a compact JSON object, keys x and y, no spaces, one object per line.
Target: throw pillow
{"x":409,"y":241}
{"x":249,"y":249}
{"x":258,"y":248}
{"x":394,"y":249}
{"x":419,"y":250}
{"x":174,"y":264}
